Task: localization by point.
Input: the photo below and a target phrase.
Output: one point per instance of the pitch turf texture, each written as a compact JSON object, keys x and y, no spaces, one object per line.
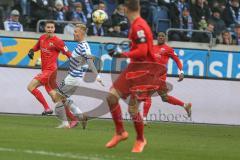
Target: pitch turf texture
{"x":35,"y":138}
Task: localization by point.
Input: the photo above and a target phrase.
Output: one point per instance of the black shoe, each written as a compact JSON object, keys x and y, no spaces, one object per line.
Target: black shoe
{"x":47,"y":112}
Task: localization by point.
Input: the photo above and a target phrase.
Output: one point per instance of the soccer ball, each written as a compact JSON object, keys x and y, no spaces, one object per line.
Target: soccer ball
{"x":99,"y":16}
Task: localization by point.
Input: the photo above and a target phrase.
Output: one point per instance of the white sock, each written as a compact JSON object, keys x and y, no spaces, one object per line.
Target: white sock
{"x":76,"y":110}
{"x":65,"y":123}
{"x":60,"y":112}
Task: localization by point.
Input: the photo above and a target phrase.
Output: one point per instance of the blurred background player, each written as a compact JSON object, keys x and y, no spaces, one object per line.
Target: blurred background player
{"x":80,"y":56}
{"x":50,"y":46}
{"x":141,"y":51}
{"x":163,"y":52}
{"x":13,"y":24}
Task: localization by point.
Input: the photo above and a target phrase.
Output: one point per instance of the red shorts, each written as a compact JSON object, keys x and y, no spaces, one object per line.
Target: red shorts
{"x":152,"y":70}
{"x":164,"y":77}
{"x":48,"y":79}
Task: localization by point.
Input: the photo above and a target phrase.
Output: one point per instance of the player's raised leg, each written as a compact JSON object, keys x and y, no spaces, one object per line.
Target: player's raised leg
{"x":32,"y":88}
{"x":120,"y":133}
{"x":63,"y":109}
{"x":138,"y":125}
{"x":175,"y":101}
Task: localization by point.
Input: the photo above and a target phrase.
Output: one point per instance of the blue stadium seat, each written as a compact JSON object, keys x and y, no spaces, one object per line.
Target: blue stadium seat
{"x":162,"y":25}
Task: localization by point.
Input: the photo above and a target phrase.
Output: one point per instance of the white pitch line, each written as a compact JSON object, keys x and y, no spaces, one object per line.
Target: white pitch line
{"x":62,"y":155}
{"x":7,"y":150}
{"x":54,"y":154}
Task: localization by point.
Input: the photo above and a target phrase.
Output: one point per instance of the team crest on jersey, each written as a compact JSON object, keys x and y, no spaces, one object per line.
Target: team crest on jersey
{"x":162,"y":50}
{"x":141,"y":34}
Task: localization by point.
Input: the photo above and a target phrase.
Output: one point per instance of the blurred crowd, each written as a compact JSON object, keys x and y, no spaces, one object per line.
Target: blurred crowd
{"x":196,"y":20}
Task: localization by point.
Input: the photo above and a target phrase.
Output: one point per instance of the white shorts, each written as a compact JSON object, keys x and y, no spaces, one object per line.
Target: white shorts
{"x":69,"y":86}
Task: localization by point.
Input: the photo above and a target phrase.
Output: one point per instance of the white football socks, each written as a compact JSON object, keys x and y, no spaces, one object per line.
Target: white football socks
{"x":61,"y":113}
{"x":76,"y":110}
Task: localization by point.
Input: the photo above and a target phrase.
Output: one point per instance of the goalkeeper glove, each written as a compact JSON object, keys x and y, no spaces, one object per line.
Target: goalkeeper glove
{"x":31,"y":53}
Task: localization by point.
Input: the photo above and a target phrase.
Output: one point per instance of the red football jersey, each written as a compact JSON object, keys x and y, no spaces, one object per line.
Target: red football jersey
{"x":164,"y":52}
{"x":50,"y":48}
{"x":141,"y":38}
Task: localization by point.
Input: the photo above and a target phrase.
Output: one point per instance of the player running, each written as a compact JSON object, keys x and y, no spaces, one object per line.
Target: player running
{"x":50,"y":46}
{"x":163,"y":52}
{"x":80,"y":56}
{"x":141,"y":52}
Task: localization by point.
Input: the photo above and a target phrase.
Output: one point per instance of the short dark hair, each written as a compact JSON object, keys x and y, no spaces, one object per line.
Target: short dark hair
{"x":211,"y":23}
{"x":132,"y":5}
{"x":50,"y":22}
{"x":161,"y":34}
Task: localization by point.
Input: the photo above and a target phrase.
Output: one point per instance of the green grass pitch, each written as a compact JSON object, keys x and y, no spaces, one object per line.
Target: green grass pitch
{"x":35,"y":138}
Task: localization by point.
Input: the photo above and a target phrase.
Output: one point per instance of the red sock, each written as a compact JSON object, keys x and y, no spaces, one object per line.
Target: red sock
{"x":174,"y":101}
{"x":146,"y":107}
{"x":40,"y":98}
{"x":70,"y":115}
{"x":138,"y":124}
{"x":117,"y":118}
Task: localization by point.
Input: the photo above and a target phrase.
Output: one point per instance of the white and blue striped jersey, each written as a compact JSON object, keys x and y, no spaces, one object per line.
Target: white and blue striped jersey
{"x":79,"y":59}
{"x":10,"y":25}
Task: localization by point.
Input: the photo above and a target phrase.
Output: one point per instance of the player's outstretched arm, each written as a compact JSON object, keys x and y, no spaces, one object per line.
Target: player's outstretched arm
{"x":140,"y":52}
{"x":174,"y":56}
{"x":34,"y":49}
{"x":89,"y":60}
{"x":63,"y":48}
{"x":37,"y":46}
{"x":116,"y":53}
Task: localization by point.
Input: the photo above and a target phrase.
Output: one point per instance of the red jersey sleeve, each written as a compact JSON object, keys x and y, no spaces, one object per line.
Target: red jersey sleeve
{"x":139,"y":45}
{"x":36,"y":47}
{"x":174,"y":56}
{"x":62,"y":47}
